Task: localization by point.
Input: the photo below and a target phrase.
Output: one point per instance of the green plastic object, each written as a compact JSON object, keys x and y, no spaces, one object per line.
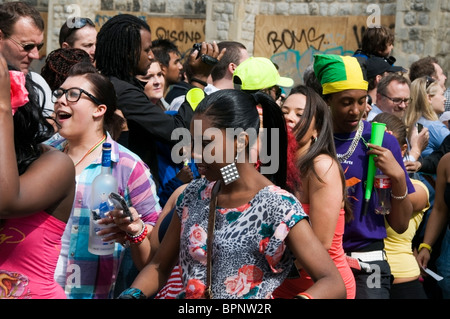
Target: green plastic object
{"x":194,"y":97}
{"x":376,"y":138}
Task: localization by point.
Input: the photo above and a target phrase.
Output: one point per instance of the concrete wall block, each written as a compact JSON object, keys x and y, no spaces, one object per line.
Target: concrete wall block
{"x":423,"y":18}
{"x":299,"y":9}
{"x":410,"y":18}
{"x":345,"y":9}
{"x":282,"y":9}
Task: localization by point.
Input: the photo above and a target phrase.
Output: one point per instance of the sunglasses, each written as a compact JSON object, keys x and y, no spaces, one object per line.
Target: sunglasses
{"x":429,"y":81}
{"x":27,"y":46}
{"x":72,"y":95}
{"x":77,"y":23}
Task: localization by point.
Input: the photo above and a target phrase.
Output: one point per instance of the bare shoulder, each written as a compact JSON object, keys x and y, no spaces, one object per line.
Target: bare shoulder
{"x":444,"y":165}
{"x":56,"y":161}
{"x":325,"y":164}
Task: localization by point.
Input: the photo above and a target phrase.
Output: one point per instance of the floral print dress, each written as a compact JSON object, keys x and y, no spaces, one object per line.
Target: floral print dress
{"x":250,"y":258}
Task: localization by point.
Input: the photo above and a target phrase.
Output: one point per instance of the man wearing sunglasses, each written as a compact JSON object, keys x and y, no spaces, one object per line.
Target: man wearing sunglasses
{"x":21,"y":38}
{"x":80,"y":33}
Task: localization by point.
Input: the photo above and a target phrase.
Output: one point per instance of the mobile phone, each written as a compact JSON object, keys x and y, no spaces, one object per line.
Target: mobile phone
{"x":119,"y":203}
{"x":419,"y":127}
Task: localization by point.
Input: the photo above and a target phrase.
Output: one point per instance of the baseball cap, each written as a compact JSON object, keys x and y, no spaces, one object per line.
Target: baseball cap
{"x":257,"y":73}
{"x":338,"y":73}
{"x":445,"y":116}
{"x":377,"y":65}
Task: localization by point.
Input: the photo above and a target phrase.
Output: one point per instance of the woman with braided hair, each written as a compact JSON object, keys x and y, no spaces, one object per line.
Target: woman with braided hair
{"x":58,"y":63}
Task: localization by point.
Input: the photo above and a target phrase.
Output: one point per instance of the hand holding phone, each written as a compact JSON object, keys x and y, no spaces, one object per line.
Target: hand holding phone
{"x":419,"y":127}
{"x":119,"y":203}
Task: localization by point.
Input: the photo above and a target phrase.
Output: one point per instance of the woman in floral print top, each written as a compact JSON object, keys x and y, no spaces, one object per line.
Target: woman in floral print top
{"x":259,"y":228}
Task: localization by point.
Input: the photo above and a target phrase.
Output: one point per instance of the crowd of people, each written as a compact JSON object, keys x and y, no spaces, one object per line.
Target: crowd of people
{"x":240,"y":182}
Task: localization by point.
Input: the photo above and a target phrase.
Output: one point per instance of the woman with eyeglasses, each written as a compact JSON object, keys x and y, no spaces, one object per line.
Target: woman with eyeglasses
{"x":79,"y":33}
{"x":37,"y":188}
{"x":427,"y":104}
{"x":85,"y":107}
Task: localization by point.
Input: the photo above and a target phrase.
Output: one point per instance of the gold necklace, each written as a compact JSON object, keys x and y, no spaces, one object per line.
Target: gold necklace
{"x":93,"y":148}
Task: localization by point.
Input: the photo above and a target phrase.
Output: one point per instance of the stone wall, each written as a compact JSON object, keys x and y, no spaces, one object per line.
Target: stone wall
{"x":421,"y":27}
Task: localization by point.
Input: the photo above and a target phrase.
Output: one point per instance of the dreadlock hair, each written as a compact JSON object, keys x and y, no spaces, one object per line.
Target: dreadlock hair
{"x":31,"y":127}
{"x":58,"y":64}
{"x":118,"y":46}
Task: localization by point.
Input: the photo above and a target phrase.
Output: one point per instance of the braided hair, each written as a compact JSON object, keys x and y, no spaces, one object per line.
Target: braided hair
{"x":58,"y":64}
{"x":118,"y":46}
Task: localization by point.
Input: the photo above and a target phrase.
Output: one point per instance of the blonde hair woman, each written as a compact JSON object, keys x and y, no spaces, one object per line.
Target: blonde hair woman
{"x":427,"y":103}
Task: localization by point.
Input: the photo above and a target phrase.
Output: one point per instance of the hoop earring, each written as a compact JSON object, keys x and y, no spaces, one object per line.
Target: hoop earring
{"x":230,"y":172}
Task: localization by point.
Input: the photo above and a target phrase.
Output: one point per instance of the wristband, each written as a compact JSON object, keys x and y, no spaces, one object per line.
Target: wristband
{"x":303,"y":295}
{"x":132,"y":293}
{"x":199,"y":81}
{"x":423,"y":245}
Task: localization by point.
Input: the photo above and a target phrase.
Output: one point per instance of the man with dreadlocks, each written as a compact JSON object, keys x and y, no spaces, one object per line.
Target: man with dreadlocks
{"x":124,"y":51}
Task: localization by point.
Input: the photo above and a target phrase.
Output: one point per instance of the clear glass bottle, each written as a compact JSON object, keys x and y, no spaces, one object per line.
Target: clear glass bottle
{"x":102,"y":186}
{"x":382,"y":185}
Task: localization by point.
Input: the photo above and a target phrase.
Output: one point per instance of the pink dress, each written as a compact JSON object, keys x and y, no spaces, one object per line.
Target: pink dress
{"x":29,"y":251}
{"x":293,"y":286}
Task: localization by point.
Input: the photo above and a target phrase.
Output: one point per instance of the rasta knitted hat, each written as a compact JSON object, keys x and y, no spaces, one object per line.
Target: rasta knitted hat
{"x":257,"y":73}
{"x":338,"y":73}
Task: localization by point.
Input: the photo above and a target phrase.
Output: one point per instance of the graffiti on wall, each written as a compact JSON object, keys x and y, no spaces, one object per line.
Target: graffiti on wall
{"x":183,"y":32}
{"x":291,"y":42}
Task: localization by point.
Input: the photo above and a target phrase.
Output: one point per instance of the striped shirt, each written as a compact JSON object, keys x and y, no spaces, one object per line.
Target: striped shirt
{"x":82,"y":274}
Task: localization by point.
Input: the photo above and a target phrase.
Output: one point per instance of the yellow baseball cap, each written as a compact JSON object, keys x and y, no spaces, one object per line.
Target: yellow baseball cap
{"x":257,"y":73}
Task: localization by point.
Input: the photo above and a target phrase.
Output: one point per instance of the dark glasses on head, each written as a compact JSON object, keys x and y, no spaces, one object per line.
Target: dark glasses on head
{"x":429,"y":81}
{"x":28,"y":46}
{"x":78,"y":23}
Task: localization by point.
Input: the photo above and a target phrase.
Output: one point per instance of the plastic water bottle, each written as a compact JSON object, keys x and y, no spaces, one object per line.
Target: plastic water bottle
{"x":382,"y":186}
{"x":102,"y":186}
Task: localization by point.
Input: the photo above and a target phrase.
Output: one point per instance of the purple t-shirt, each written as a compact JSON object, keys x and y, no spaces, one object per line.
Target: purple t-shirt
{"x":363,"y":230}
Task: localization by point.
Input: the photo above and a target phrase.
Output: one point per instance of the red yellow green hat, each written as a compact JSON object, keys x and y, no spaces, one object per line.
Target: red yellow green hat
{"x":338,"y":73}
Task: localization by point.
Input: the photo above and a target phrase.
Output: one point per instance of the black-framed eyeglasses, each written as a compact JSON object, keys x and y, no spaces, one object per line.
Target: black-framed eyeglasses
{"x":27,"y":46}
{"x":397,"y":100}
{"x":72,"y":95}
{"x":429,"y":80}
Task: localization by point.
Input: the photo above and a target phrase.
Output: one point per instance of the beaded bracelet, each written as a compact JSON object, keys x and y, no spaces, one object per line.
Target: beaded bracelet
{"x":136,"y":239}
{"x":400,"y":197}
